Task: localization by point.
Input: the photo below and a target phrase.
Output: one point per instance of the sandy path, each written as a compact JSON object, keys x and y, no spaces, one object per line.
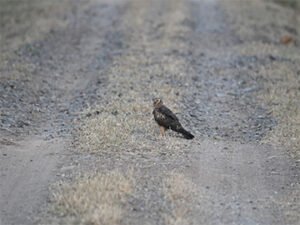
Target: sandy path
{"x":125,"y":52}
{"x":66,"y":62}
{"x":27,"y":168}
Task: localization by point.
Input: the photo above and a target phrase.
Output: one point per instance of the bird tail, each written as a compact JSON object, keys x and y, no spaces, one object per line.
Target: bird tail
{"x":185,"y":133}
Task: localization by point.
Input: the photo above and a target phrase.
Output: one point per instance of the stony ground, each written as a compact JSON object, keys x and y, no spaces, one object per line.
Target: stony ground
{"x":78,"y":141}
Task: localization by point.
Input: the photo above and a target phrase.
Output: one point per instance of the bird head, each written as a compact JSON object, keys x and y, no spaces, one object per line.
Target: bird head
{"x":157,"y":102}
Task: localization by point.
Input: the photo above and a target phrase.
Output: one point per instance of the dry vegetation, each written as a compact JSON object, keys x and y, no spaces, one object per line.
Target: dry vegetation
{"x":25,"y":21}
{"x":126,"y":122}
{"x":289,"y":3}
{"x":190,"y":203}
{"x":123,"y":122}
{"x":265,"y":22}
{"x":95,"y":200}
{"x":180,"y":191}
{"x":282,"y":96}
{"x":280,"y":79}
{"x":116,"y":126}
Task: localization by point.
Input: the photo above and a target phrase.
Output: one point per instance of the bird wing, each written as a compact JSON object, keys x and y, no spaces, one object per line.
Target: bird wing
{"x":168,"y":113}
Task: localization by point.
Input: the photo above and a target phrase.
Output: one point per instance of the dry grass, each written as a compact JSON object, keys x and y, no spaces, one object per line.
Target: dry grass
{"x":280,"y":93}
{"x":117,"y":126}
{"x":126,"y":121}
{"x":180,"y":191}
{"x":262,"y":21}
{"x":178,"y":187}
{"x":28,"y":20}
{"x":125,"y":127}
{"x":289,"y":3}
{"x":94,"y":200}
{"x":281,"y":78}
{"x":282,"y":96}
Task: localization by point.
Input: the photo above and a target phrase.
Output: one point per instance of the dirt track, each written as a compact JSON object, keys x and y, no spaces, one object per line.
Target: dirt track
{"x":104,"y":61}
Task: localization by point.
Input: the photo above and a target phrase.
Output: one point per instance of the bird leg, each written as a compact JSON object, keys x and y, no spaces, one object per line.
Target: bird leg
{"x":162,"y":131}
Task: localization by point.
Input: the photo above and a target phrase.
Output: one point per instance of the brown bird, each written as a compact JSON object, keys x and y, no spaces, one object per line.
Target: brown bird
{"x":166,"y":119}
{"x":286,"y":40}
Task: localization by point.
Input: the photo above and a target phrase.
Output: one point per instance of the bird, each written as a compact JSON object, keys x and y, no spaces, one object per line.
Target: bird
{"x":166,"y":119}
{"x":286,"y":40}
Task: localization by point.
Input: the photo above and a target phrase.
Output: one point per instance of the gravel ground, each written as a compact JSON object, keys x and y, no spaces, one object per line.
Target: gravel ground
{"x":78,"y":141}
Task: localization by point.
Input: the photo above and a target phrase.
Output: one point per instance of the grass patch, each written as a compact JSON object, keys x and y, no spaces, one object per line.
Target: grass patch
{"x":125,"y":127}
{"x":118,"y":125}
{"x":289,"y":3}
{"x":29,"y":20}
{"x":145,"y":71}
{"x":282,"y":94}
{"x":94,"y":200}
{"x":125,"y":121}
{"x":261,"y":25}
{"x":180,"y":191}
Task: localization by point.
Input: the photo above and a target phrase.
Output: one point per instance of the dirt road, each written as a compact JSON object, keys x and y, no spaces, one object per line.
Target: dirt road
{"x":75,"y":94}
